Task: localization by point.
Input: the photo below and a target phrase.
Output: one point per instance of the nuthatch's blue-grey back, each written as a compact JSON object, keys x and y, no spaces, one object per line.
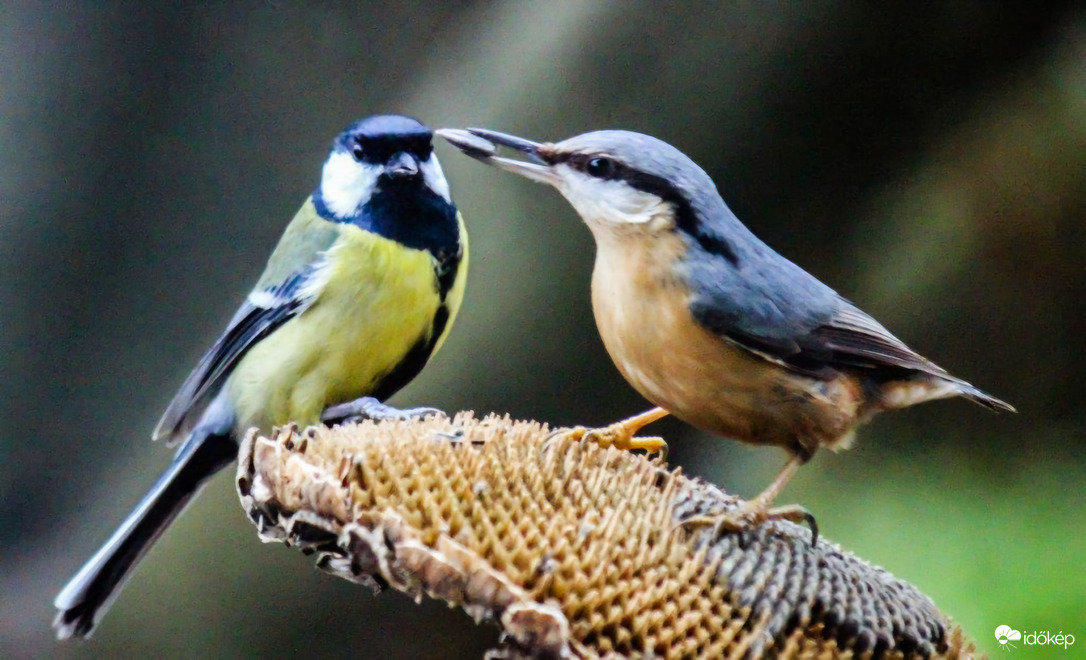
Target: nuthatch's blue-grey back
{"x":707,"y":321}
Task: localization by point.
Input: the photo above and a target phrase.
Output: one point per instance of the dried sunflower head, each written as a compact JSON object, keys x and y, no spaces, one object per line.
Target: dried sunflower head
{"x":573,"y":549}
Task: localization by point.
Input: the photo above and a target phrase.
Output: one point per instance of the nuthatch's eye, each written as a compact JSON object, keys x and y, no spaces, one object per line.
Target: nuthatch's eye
{"x":357,"y":151}
{"x":602,"y":168}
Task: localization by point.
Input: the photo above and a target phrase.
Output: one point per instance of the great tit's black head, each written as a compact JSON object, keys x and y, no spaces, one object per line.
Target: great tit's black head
{"x":382,"y":152}
{"x":376,"y":140}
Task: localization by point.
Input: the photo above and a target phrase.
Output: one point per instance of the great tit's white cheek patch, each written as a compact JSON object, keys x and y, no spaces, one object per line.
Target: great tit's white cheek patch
{"x":435,"y":177}
{"x":608,"y":201}
{"x":347,"y":184}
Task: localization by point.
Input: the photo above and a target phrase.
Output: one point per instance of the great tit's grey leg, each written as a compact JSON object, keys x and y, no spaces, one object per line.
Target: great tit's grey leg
{"x":369,"y":408}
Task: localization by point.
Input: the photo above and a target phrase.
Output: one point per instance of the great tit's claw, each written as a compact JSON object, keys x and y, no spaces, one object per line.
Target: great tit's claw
{"x":369,"y":408}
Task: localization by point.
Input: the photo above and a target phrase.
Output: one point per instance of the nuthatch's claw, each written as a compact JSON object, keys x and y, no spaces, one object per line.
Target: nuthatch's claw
{"x":620,"y":435}
{"x":616,"y":436}
{"x":752,"y":514}
{"x":620,"y":438}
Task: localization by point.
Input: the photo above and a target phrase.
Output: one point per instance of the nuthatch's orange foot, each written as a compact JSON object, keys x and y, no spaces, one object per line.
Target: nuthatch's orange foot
{"x":619,"y":437}
{"x":622,"y":435}
{"x":369,"y":408}
{"x":754,"y":513}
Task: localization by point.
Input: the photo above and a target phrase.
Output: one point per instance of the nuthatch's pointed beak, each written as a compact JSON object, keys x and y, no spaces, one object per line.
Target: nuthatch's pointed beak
{"x":482,"y":144}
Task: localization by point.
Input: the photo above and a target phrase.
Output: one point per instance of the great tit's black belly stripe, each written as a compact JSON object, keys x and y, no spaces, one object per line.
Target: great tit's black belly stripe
{"x":446,"y":277}
{"x":410,"y":213}
{"x":415,"y":360}
{"x":420,"y":353}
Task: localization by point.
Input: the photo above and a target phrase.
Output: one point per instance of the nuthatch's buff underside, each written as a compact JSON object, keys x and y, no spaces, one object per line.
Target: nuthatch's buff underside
{"x":706,"y":321}
{"x":360,"y":292}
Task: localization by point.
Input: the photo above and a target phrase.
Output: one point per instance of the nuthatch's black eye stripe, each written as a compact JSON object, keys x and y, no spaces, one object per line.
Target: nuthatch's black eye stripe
{"x":610,"y":169}
{"x":600,"y":167}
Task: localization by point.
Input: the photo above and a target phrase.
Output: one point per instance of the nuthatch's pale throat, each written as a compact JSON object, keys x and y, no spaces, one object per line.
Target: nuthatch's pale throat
{"x":706,"y":321}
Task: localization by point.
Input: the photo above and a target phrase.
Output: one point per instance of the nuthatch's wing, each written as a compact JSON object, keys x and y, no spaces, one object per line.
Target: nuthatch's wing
{"x":853,"y":338}
{"x":786,"y":315}
{"x":789,"y":317}
{"x":284,"y":291}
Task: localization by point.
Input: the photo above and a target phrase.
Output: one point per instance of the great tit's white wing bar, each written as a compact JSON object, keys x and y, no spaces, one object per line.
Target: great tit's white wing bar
{"x":258,"y":316}
{"x":280,"y":294}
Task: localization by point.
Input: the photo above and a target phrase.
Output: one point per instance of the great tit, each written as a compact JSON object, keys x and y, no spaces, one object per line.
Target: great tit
{"x":360,"y":292}
{"x":708,"y":322}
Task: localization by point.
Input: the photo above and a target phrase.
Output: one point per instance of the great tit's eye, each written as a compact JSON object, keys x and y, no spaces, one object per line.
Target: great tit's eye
{"x":601,"y":167}
{"x":357,"y":152}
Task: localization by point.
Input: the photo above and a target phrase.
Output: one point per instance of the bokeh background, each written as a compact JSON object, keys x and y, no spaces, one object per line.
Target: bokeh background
{"x":929,"y":163}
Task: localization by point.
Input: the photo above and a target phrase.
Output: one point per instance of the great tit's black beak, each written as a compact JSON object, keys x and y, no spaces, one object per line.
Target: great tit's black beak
{"x":402,"y":165}
{"x":482,"y":144}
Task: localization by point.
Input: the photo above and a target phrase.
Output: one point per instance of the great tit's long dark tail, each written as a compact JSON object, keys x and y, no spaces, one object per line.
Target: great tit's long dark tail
{"x":89,"y":594}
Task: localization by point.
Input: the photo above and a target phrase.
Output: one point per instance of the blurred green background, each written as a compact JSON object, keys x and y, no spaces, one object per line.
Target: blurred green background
{"x":929,"y":163}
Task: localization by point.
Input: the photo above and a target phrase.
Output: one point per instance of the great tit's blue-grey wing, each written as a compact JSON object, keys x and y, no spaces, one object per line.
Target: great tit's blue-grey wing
{"x":204,"y":420}
{"x":776,"y":310}
{"x":250,"y":324}
{"x":284,"y":291}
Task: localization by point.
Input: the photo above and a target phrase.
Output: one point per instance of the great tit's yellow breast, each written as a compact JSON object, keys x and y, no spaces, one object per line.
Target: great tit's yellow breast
{"x":378,"y":300}
{"x":641,"y":304}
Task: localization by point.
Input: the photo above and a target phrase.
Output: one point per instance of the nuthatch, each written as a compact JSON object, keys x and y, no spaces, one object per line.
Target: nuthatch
{"x":710,"y":324}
